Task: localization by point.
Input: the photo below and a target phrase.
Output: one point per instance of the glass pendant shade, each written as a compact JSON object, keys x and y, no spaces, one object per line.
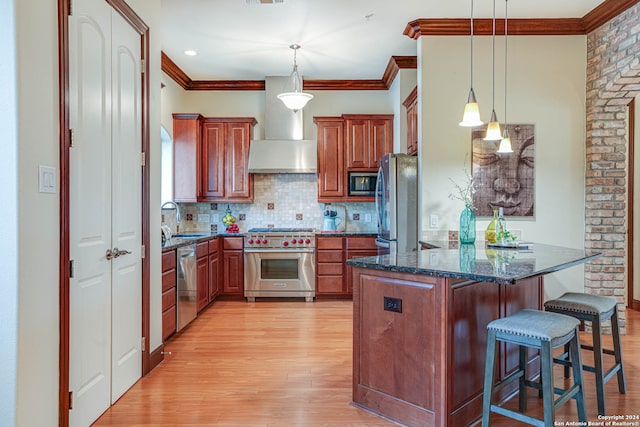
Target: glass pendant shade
{"x":295,"y":100}
{"x":493,"y":129}
{"x":471,"y":116}
{"x":505,"y":143}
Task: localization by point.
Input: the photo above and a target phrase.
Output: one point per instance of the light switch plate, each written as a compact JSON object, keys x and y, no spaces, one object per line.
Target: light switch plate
{"x":367,"y":217}
{"x":47,"y":179}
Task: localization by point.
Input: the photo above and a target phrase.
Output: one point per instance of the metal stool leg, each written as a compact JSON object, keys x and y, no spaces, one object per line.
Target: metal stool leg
{"x":546,"y":374}
{"x":522,"y":386}
{"x":617,"y":349}
{"x":576,"y":365}
{"x":598,"y":363}
{"x":489,"y":376}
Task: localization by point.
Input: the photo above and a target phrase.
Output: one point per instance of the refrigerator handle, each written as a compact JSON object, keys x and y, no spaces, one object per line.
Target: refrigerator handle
{"x":378,"y":195}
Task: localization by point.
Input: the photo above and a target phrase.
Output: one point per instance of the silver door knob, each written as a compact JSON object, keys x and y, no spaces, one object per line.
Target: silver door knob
{"x":115,"y":253}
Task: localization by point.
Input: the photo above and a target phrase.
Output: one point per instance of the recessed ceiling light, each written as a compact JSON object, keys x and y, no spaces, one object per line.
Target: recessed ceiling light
{"x":190,"y":52}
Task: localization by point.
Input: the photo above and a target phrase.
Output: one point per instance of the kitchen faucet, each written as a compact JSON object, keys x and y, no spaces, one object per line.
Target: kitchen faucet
{"x":177,"y":208}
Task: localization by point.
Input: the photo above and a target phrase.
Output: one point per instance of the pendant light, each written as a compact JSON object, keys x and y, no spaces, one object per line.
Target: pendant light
{"x":493,"y":128}
{"x":296,"y":99}
{"x":505,"y":143}
{"x":471,"y":116}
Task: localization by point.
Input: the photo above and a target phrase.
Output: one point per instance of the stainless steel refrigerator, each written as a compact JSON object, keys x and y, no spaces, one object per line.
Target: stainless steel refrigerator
{"x":397,"y":204}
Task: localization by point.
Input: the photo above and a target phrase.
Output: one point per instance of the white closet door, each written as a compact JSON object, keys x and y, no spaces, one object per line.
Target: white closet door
{"x":126,"y":200}
{"x":105,"y":209}
{"x":90,"y":211}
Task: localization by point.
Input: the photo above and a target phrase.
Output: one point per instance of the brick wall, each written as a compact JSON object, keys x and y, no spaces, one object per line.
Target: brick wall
{"x":613,"y":80}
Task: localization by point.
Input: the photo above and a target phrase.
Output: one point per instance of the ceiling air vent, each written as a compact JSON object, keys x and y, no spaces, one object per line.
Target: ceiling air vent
{"x":265,"y":1}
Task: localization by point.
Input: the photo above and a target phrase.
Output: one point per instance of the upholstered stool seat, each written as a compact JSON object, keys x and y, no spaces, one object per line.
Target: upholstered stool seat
{"x":543,"y":331}
{"x":595,"y":309}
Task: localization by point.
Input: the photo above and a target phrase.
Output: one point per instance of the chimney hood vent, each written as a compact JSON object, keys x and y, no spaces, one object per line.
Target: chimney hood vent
{"x":283,"y":150}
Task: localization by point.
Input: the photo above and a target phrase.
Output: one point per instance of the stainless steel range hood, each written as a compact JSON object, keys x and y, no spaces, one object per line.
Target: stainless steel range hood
{"x":283,"y":150}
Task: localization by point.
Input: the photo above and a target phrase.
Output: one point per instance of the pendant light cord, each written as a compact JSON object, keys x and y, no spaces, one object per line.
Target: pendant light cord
{"x":506,"y":31}
{"x":471,"y":46}
{"x":493,"y":40}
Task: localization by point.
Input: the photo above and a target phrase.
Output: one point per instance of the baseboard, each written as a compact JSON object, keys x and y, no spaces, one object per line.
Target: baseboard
{"x":156,"y":357}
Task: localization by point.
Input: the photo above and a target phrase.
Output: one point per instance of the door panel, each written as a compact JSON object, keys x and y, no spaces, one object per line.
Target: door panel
{"x":126,"y":207}
{"x":90,"y":211}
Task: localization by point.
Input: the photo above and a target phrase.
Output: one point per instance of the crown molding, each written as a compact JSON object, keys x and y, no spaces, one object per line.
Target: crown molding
{"x":484,"y":27}
{"x":172,"y":70}
{"x":521,"y":27}
{"x":604,"y":12}
{"x":395,"y":64}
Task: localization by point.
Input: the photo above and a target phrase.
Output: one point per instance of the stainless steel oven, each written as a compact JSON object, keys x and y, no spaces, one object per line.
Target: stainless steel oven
{"x":279,"y":263}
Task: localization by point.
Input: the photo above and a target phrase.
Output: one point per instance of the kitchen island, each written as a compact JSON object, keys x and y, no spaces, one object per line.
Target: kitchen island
{"x":419,"y":326}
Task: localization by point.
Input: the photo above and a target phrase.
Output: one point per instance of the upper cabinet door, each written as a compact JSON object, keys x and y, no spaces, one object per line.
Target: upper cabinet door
{"x":213,"y":159}
{"x":357,"y":141}
{"x":331,"y":171}
{"x":186,"y":157}
{"x":239,"y":182}
{"x":381,"y":140}
{"x":368,"y":138}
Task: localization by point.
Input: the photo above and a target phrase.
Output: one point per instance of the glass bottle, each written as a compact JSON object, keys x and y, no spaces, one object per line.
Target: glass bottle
{"x":502,"y":226}
{"x":467,"y":233}
{"x":490,"y":233}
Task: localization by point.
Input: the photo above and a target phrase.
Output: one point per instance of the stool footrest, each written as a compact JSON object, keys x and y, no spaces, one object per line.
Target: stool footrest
{"x":512,"y":376}
{"x":517,"y":415}
{"x":604,"y":350}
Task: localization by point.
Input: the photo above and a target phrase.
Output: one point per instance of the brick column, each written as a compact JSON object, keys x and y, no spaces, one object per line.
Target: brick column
{"x":613,"y":80}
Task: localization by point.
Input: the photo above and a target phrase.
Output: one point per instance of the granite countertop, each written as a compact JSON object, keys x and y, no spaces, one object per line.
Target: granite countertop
{"x":479,"y":263}
{"x":176,"y":242}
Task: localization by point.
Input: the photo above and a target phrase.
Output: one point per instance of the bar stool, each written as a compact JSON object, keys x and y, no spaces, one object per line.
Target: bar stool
{"x":544,"y":331}
{"x":595,"y":309}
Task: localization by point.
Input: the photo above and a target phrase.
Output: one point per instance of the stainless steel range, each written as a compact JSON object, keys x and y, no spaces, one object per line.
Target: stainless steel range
{"x":279,"y":262}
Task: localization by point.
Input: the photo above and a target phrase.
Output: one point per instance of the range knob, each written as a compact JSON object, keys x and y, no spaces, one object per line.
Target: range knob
{"x":293,"y":241}
{"x":307,"y":241}
{"x":250,"y":241}
{"x":257,"y":241}
{"x":264,"y":240}
{"x":285,"y":243}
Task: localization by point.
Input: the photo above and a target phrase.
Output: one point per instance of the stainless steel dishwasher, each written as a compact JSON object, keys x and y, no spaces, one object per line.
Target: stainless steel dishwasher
{"x":187,"y":285}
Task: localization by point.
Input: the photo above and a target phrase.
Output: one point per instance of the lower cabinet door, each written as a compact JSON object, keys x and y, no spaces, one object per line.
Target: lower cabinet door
{"x":202,"y":267}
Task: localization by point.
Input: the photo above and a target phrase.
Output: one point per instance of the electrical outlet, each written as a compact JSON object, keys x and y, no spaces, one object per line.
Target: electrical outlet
{"x":367,"y":217}
{"x":215,"y":218}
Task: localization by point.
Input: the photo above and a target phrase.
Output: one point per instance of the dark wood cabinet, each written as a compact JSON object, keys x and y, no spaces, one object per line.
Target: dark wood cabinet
{"x":169,"y":280}
{"x":214,"y":270}
{"x":211,"y":156}
{"x":331,"y":170}
{"x":187,"y":153}
{"x":351,"y":142}
{"x":333,"y":276}
{"x":358,"y":247}
{"x":225,"y":152}
{"x":202,"y":274}
{"x":411,"y":104}
{"x":368,"y":137}
{"x":330,"y":266}
{"x":232,"y":266}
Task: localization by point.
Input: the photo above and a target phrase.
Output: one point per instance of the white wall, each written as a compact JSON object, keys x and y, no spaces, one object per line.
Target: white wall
{"x":8,"y":216}
{"x":171,"y":101}
{"x":38,"y":253}
{"x":546,"y":77}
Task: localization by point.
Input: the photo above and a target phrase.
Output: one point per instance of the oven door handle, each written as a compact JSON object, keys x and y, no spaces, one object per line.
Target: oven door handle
{"x":279,"y":251}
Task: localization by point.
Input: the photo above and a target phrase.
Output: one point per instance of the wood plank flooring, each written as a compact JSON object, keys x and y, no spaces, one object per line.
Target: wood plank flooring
{"x":288,"y":363}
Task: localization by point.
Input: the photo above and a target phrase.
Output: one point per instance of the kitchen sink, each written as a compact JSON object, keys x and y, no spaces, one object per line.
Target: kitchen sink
{"x":188,"y":236}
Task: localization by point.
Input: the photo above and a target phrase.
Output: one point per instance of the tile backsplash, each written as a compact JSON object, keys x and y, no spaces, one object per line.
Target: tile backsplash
{"x":281,"y":201}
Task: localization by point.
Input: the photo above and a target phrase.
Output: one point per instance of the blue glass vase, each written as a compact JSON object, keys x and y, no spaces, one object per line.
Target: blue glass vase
{"x":467,"y":232}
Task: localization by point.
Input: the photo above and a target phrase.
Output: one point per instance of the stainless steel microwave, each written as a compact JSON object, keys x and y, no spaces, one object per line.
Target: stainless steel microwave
{"x":362,"y":183}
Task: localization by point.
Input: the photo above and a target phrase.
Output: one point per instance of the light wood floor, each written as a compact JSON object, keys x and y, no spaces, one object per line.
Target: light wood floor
{"x":288,"y":363}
